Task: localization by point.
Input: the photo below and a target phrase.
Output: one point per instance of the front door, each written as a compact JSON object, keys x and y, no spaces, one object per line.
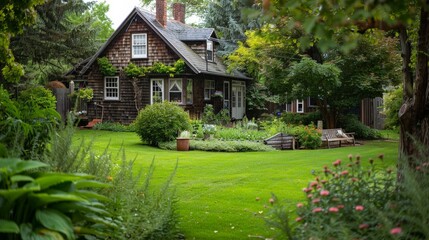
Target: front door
{"x":238,"y":104}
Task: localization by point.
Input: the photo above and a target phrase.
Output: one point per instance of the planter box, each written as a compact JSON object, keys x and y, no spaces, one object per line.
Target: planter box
{"x":182,"y":144}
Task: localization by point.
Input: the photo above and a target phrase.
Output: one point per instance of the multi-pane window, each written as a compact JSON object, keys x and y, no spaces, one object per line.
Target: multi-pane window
{"x":299,"y":106}
{"x":139,"y":45}
{"x":156,"y":90}
{"x":189,"y":92}
{"x":175,"y":90}
{"x":210,"y":56}
{"x":111,"y":88}
{"x":209,"y":89}
{"x":226,"y":94}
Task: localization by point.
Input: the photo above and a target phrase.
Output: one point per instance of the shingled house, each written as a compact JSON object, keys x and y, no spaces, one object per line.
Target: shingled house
{"x":144,"y":39}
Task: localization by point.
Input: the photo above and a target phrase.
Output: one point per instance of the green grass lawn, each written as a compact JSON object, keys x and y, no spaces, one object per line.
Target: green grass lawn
{"x":217,"y":191}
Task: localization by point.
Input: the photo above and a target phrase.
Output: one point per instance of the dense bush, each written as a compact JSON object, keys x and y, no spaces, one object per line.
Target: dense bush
{"x":25,"y":124}
{"x":308,"y":136}
{"x":209,"y":117}
{"x":221,"y":146}
{"x":161,"y":122}
{"x":301,"y":119}
{"x":352,"y":124}
{"x":114,"y":127}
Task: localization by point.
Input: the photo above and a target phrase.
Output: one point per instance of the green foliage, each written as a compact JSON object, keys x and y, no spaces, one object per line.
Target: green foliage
{"x":209,"y":117}
{"x":197,"y":128}
{"x":114,"y":127}
{"x":305,"y":119}
{"x":85,"y":94}
{"x":393,"y":103}
{"x":27,"y":122}
{"x":352,"y":124}
{"x":240,"y":134}
{"x":275,"y":126}
{"x":133,"y":71}
{"x":308,"y":136}
{"x":106,"y":67}
{"x":221,"y":146}
{"x":346,"y":202}
{"x":141,"y":209}
{"x":36,"y":203}
{"x":161,"y":122}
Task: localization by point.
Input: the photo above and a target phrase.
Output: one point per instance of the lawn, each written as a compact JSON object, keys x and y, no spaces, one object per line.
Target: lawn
{"x":217,"y":191}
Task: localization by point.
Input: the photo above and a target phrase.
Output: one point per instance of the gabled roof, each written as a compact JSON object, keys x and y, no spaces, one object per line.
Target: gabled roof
{"x":174,"y":35}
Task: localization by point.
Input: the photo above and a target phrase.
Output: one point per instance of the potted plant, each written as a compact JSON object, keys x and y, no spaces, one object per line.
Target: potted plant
{"x":183,"y":141}
{"x":209,"y":131}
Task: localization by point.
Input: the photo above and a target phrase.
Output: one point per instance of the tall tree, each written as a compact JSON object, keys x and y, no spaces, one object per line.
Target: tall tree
{"x":14,"y":16}
{"x":65,"y":32}
{"x":323,"y":18}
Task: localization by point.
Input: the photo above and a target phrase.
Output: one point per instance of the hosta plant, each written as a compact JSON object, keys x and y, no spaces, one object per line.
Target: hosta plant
{"x":35,"y":204}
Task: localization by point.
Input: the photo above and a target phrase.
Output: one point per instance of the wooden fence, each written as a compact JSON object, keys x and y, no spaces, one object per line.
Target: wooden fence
{"x":63,"y":101}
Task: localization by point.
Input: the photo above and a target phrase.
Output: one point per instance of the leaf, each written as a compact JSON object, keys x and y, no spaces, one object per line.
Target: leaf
{"x":21,"y":178}
{"x":28,"y":234}
{"x":92,"y":195}
{"x":42,"y":199}
{"x":49,"y":180}
{"x":22,"y":166}
{"x":11,"y":194}
{"x":91,"y":184}
{"x":83,"y":207}
{"x":55,"y":220}
{"x":7,"y":226}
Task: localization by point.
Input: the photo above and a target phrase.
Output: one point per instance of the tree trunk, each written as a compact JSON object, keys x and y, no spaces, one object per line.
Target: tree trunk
{"x":414,"y":113}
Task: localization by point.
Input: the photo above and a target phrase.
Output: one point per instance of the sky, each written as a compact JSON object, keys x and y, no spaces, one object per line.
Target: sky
{"x":119,"y":10}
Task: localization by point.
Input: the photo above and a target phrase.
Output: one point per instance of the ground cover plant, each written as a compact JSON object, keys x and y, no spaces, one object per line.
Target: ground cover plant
{"x":226,"y":195}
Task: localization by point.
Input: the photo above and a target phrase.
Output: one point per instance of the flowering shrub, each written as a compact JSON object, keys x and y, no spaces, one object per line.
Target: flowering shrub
{"x":308,"y":136}
{"x":346,"y":201}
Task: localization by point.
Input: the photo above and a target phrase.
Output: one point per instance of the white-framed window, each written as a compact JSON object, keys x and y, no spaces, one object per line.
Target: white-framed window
{"x":139,"y":45}
{"x":175,"y":90}
{"x":189,"y":91}
{"x":299,"y":106}
{"x":288,"y":107}
{"x":156,"y":90}
{"x":226,"y":94}
{"x":111,"y":88}
{"x":209,"y":89}
{"x":210,"y":52}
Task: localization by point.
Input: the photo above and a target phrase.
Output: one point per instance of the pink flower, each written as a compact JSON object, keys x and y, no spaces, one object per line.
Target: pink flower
{"x":395,"y":231}
{"x":333,"y":210}
{"x":345,"y":172}
{"x":318,"y":209}
{"x":307,"y":190}
{"x":299,"y":205}
{"x":316,"y":200}
{"x":359,"y":208}
{"x":271,"y":201}
{"x":337,"y":163}
{"x":298,"y":219}
{"x":355,"y":179}
{"x":324,"y":193}
{"x":341,"y":206}
{"x":363,"y":226}
{"x":313,"y":184}
{"x":324,"y":181}
{"x":310,"y":195}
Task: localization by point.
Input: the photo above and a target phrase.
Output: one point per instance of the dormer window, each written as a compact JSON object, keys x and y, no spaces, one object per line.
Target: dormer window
{"x":210,"y":52}
{"x":139,"y":45}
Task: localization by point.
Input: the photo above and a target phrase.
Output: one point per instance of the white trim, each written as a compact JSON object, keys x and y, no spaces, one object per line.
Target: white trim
{"x":191,"y":95}
{"x":111,"y":87}
{"x":144,"y":45}
{"x":300,"y":102}
{"x":161,"y":87}
{"x":226,"y":97}
{"x":179,"y":86}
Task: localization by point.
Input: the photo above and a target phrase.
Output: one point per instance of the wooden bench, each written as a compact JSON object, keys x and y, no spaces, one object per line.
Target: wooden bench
{"x":337,"y":135}
{"x":281,"y":141}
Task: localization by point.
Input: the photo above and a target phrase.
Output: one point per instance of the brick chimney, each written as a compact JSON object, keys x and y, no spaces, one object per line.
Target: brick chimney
{"x":161,"y":12}
{"x":179,"y":11}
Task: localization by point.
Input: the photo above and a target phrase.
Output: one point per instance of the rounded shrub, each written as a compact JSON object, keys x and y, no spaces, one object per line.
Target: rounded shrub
{"x":161,"y":122}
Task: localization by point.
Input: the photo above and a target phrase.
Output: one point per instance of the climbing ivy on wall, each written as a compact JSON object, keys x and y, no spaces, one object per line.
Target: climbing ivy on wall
{"x":106,"y":67}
